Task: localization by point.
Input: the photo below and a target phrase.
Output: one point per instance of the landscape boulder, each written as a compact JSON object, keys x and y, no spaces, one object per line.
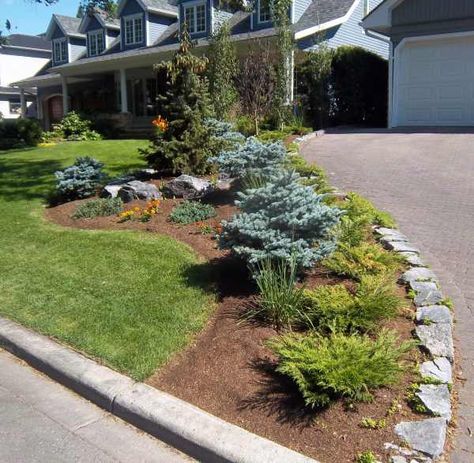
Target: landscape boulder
{"x":188,"y":187}
{"x":138,"y":190}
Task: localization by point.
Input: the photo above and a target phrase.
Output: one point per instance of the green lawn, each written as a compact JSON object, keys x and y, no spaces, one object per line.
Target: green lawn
{"x":130,"y":299}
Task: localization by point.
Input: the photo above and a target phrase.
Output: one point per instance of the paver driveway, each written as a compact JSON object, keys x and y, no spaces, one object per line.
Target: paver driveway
{"x":426,"y":180}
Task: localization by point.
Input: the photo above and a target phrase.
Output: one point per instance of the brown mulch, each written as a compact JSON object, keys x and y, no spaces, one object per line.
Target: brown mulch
{"x":230,"y":373}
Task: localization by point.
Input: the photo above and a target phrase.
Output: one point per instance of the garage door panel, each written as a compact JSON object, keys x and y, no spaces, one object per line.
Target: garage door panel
{"x":434,"y":82}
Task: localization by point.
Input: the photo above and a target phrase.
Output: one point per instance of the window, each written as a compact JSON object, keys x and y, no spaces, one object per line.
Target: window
{"x":264,"y":11}
{"x":195,"y":17}
{"x":60,"y":50}
{"x":133,"y":30}
{"x":96,"y":42}
{"x":14,"y":106}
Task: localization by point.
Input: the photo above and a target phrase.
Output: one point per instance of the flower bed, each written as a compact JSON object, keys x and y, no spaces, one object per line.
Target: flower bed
{"x":232,"y":371}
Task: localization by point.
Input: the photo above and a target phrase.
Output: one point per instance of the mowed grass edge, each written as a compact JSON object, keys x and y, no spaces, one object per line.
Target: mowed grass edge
{"x":129,"y":299}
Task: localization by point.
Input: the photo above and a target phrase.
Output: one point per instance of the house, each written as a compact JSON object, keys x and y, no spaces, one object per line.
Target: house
{"x":105,"y":66}
{"x":20,"y":56}
{"x":431,"y":60}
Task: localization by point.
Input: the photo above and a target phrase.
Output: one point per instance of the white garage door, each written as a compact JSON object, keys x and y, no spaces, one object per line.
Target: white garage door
{"x":434,"y":82}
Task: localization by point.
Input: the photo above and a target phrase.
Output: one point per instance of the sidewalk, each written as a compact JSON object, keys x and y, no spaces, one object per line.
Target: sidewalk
{"x":43,"y":422}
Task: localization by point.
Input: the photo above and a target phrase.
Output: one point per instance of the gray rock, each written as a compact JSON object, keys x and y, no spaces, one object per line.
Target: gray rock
{"x":427,"y":436}
{"x":387,"y":231}
{"x":434,"y":314}
{"x":188,"y":187}
{"x":427,"y":293}
{"x":436,"y":398}
{"x":439,"y":369}
{"x":138,"y":190}
{"x":401,"y":246}
{"x":437,"y":339}
{"x":418,"y":274}
{"x":110,"y":191}
{"x":398,"y":459}
{"x":413,"y":259}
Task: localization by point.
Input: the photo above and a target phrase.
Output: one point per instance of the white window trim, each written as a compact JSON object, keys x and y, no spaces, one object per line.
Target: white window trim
{"x":366,"y":7}
{"x":258,"y":15}
{"x":95,"y":34}
{"x":132,"y":17}
{"x":194,"y":5}
{"x":60,"y":42}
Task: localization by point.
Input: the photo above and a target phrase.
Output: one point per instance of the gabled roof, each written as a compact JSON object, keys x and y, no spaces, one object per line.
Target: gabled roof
{"x":153,"y":6}
{"x":32,"y":42}
{"x":105,"y":20}
{"x":324,"y":14}
{"x":68,"y":25}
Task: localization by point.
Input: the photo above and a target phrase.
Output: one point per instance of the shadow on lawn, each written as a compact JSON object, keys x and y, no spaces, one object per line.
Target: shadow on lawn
{"x":26,"y":180}
{"x":279,"y":396}
{"x":226,"y":275}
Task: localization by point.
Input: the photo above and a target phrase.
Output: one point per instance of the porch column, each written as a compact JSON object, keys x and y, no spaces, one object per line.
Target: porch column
{"x":39,"y":108}
{"x":123,"y":91}
{"x":22,"y":103}
{"x":65,"y":95}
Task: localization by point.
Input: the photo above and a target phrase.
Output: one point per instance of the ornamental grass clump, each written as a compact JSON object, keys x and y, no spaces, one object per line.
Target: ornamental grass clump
{"x":333,"y":308}
{"x":282,"y":220}
{"x":192,"y":211}
{"x":280,"y":302}
{"x":340,"y":366}
{"x":253,"y":159}
{"x":80,"y":180}
{"x":102,"y":207}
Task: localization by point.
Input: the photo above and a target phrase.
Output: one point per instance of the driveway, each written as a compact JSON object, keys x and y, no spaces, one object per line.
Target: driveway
{"x":426,"y":180}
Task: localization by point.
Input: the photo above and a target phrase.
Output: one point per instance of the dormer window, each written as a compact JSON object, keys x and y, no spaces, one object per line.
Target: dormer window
{"x":264,"y":11}
{"x":133,"y":29}
{"x":95,"y":42}
{"x":195,"y":17}
{"x":60,"y":50}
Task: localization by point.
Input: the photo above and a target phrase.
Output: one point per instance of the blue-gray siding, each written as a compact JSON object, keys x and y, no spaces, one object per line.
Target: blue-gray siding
{"x":78,"y":48}
{"x":348,"y":33}
{"x":157,"y":24}
{"x":299,"y":8}
{"x":421,"y":11}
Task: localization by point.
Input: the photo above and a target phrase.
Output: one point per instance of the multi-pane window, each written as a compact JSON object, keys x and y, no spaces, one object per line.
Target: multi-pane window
{"x":14,"y":106}
{"x":195,"y":17}
{"x":264,"y":11}
{"x":60,"y":51}
{"x":96,"y":43}
{"x":133,"y":30}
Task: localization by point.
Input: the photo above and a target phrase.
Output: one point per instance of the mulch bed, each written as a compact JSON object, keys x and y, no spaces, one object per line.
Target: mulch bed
{"x":230,"y":373}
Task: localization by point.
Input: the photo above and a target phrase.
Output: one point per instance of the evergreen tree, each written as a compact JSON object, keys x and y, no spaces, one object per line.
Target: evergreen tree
{"x":184,"y":142}
{"x":282,"y":220}
{"x":222,"y":72}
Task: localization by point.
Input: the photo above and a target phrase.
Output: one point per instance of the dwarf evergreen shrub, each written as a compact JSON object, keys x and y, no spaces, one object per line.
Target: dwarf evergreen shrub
{"x":224,"y":134}
{"x":312,"y":175}
{"x":333,"y":308}
{"x":191,"y":211}
{"x":281,"y":220}
{"x":362,"y":260}
{"x":101,"y":207}
{"x":340,"y":366}
{"x":79,"y":180}
{"x":253,"y":158}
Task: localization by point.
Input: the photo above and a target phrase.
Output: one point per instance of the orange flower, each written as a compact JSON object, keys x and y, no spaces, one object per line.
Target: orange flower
{"x":160,"y":123}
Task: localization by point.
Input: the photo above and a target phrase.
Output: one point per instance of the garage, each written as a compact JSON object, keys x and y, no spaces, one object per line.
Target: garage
{"x":434,"y":82}
{"x":431,"y":78}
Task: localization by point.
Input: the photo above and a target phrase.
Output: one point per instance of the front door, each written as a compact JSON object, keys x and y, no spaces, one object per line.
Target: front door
{"x":55,"y":109}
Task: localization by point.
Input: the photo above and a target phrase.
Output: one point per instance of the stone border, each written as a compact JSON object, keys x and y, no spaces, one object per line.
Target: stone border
{"x":174,"y":421}
{"x":434,"y":322}
{"x":309,"y":136}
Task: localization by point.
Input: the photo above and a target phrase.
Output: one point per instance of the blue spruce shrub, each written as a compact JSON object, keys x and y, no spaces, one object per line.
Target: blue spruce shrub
{"x":225,"y":132}
{"x":253,"y":158}
{"x":79,"y":180}
{"x":282,"y":220}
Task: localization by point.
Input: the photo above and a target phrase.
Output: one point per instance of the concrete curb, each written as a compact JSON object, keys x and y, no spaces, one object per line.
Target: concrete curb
{"x":178,"y":423}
